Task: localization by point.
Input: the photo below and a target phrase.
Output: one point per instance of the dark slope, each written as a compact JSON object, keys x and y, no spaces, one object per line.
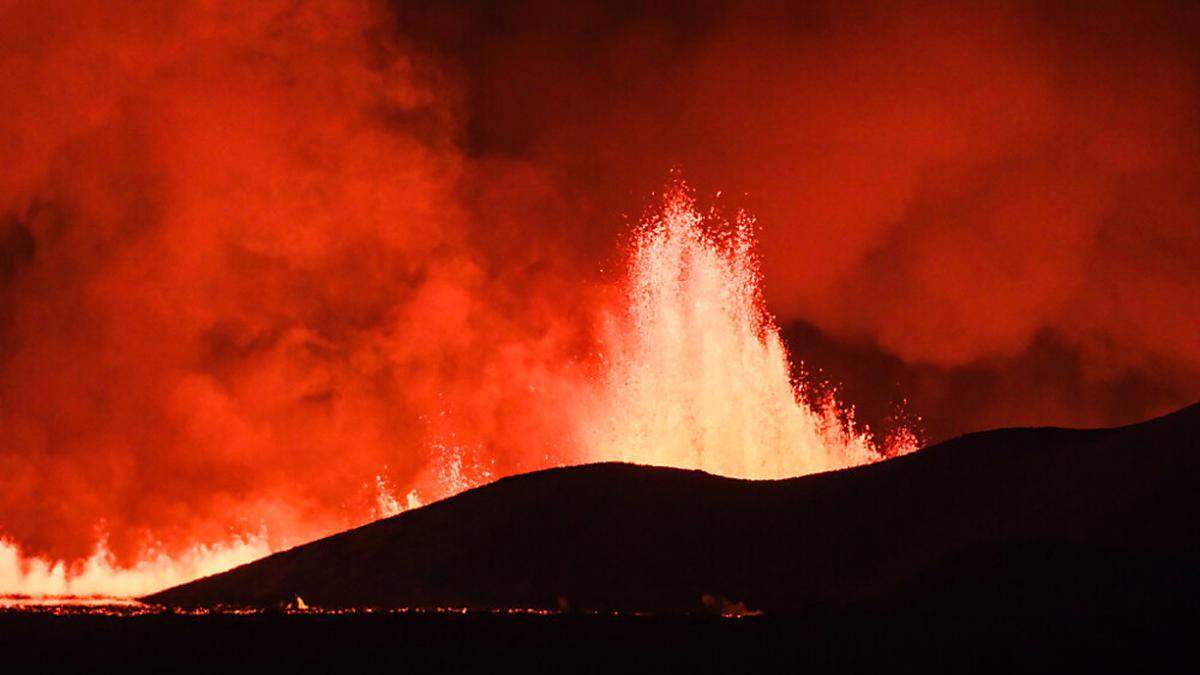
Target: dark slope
{"x":1014,"y":520}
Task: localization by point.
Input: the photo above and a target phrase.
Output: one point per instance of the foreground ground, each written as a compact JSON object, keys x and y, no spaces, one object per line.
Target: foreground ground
{"x":576,"y":643}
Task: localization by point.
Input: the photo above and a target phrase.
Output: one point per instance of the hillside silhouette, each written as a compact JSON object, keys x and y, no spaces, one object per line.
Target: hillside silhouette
{"x":1007,"y":522}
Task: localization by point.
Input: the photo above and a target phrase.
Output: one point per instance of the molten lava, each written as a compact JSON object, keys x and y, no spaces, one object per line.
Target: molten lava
{"x":100,"y":576}
{"x":697,"y":375}
{"x":692,"y":374}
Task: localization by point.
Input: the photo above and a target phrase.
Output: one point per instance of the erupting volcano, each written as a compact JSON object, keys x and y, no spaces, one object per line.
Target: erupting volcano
{"x":692,"y":374}
{"x":856,"y":313}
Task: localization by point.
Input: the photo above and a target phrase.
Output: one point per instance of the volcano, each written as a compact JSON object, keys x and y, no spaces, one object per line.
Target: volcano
{"x":1012,"y":522}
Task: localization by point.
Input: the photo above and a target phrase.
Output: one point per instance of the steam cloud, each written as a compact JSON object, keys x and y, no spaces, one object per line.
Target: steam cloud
{"x":251,"y":254}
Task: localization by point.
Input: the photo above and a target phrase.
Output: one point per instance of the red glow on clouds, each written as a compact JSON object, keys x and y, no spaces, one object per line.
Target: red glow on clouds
{"x":689,"y":372}
{"x":270,"y":270}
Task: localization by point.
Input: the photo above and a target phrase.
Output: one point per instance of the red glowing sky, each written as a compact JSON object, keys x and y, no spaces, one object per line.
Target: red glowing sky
{"x":252,"y":256}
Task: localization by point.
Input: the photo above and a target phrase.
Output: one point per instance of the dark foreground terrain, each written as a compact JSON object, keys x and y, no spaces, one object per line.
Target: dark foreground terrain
{"x":881,"y":642}
{"x":1024,"y":523}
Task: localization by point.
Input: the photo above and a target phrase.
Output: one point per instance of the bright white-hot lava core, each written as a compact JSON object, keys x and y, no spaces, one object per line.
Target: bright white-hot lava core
{"x":693,"y":374}
{"x":697,"y":375}
{"x":99,"y":576}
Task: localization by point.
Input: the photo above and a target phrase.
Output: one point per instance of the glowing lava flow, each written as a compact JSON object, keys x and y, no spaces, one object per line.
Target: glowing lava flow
{"x":99,"y":576}
{"x":697,"y":375}
{"x":694,"y":375}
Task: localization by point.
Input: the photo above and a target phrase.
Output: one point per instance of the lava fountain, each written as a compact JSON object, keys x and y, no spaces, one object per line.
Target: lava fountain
{"x":696,"y":374}
{"x":692,"y":373}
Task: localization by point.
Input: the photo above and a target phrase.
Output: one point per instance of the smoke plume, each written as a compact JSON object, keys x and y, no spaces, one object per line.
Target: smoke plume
{"x":986,"y":208}
{"x":239,"y":277}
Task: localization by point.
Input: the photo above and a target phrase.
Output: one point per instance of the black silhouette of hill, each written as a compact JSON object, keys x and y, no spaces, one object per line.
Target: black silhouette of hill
{"x":1010,"y":522}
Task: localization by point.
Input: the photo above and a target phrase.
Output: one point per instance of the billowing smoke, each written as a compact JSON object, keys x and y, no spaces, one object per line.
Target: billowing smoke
{"x":239,"y":280}
{"x":257,"y":258}
{"x":987,"y":208}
